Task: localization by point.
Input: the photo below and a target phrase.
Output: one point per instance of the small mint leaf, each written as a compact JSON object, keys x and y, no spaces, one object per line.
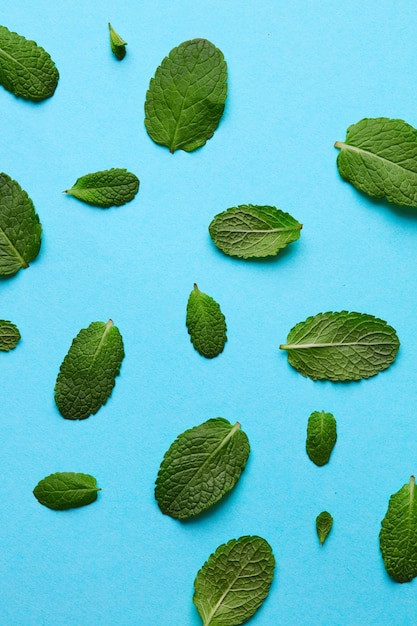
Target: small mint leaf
{"x":117,"y":44}
{"x":324,"y":523}
{"x":107,"y":188}
{"x":66,"y":490}
{"x":206,"y":324}
{"x":321,"y":437}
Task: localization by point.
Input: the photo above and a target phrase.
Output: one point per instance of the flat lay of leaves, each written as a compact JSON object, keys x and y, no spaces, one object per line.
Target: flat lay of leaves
{"x":321,"y":437}
{"x":117,"y":44}
{"x":200,"y":467}
{"x":251,"y":231}
{"x":324,"y":523}
{"x":26,"y":69}
{"x":66,"y":490}
{"x":341,"y":346}
{"x":234,"y":581}
{"x":9,"y":335}
{"x":107,"y":188}
{"x":186,"y":97}
{"x":87,"y":374}
{"x":206,"y":324}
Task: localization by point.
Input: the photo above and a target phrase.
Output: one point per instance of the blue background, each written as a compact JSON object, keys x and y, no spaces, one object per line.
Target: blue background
{"x":299,"y":74}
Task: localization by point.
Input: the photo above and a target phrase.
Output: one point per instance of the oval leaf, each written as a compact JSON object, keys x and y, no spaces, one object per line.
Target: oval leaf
{"x":20,"y":229}
{"x":9,"y":335}
{"x":87,"y":374}
{"x":206,"y":324}
{"x":26,"y":69}
{"x":201,"y":466}
{"x":341,"y":346}
{"x":251,"y":231}
{"x":185,"y":100}
{"x":66,"y":490}
{"x":234,"y":581}
{"x":321,"y":437}
{"x":117,"y":44}
{"x":324,"y":523}
{"x":107,"y":188}
{"x":398,"y":536}
{"x":379,"y":157}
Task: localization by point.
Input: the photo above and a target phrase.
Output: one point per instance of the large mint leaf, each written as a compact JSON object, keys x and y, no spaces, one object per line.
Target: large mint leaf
{"x":341,"y":346}
{"x":398,"y":536}
{"x":26,"y":69}
{"x":234,"y":581}
{"x":9,"y":335}
{"x":253,"y":231}
{"x":321,"y":437}
{"x":206,"y":324}
{"x":185,"y":100}
{"x":66,"y":490}
{"x":107,"y":188}
{"x":20,"y":230}
{"x":200,"y":467}
{"x":87,"y":374}
{"x":379,"y":157}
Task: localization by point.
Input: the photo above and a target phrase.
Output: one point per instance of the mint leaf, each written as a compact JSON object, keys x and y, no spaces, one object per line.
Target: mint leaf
{"x":341,"y":346}
{"x":9,"y":335}
{"x":107,"y":188}
{"x":117,"y":44}
{"x":206,"y":324}
{"x":185,"y":100}
{"x":321,"y":437}
{"x":379,"y":157}
{"x":66,"y":490}
{"x":87,"y":374}
{"x":234,"y":581}
{"x":398,"y":536}
{"x":20,"y":230}
{"x":324,"y":523}
{"x":200,"y":467}
{"x":26,"y":69}
{"x":253,"y":231}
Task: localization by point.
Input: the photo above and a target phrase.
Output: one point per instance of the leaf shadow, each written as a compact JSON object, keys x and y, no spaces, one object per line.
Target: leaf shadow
{"x":403,"y":212}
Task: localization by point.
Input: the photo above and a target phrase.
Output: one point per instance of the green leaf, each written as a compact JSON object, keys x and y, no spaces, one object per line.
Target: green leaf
{"x":341,"y":346}
{"x":26,"y":69}
{"x":234,"y":581}
{"x":206,"y":324}
{"x":117,"y":43}
{"x":87,"y":374}
{"x":200,"y":467}
{"x":107,"y":188}
{"x":185,"y":100}
{"x":379,"y":157}
{"x":398,"y":536}
{"x":9,"y":335}
{"x":20,"y":229}
{"x":253,"y":231}
{"x":66,"y":490}
{"x":324,"y":523}
{"x":321,"y":437}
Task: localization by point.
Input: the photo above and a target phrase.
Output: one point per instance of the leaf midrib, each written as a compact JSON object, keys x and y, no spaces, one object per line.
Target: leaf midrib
{"x":25,"y":67}
{"x":15,"y":251}
{"x":341,"y":145}
{"x":303,"y":346}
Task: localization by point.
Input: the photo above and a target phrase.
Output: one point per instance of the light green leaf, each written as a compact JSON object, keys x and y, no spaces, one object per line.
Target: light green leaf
{"x":200,"y":467}
{"x":66,"y":490}
{"x":9,"y":335}
{"x":26,"y":69}
{"x":87,"y":374}
{"x":234,"y":581}
{"x":104,"y":189}
{"x":324,"y":523}
{"x":185,"y":100}
{"x":341,"y":346}
{"x":253,"y":231}
{"x":117,"y":43}
{"x":398,"y":536}
{"x":206,"y":324}
{"x":321,"y":437}
{"x":379,"y":157}
{"x":20,"y":230}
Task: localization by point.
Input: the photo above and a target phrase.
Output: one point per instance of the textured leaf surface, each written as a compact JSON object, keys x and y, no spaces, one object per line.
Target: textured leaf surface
{"x":9,"y":335}
{"x":185,"y":100}
{"x":379,"y":157}
{"x":66,"y":490}
{"x":87,"y":374}
{"x":201,"y":466}
{"x":206,"y":324}
{"x":321,"y":437}
{"x":26,"y":69}
{"x":253,"y":231}
{"x":324,"y":523}
{"x":117,"y":44}
{"x":398,"y":536}
{"x":107,"y":188}
{"x":234,"y":581}
{"x":20,"y":229}
{"x":341,"y":346}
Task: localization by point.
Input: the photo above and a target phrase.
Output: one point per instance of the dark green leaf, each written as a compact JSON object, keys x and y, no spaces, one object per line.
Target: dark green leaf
{"x":206,"y":324}
{"x":117,"y":43}
{"x":107,"y":188}
{"x":66,"y":490}
{"x":324,"y":523}
{"x":9,"y":335}
{"x":321,"y":437}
